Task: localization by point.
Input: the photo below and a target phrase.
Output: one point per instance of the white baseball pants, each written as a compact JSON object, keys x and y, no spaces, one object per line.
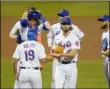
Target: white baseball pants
{"x":31,"y":76}
{"x":65,"y":75}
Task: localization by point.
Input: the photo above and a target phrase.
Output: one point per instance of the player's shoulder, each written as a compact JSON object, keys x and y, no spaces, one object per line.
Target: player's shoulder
{"x":38,"y":45}
{"x":59,"y":35}
{"x":75,"y":27}
{"x":17,"y":24}
{"x":73,"y":36}
{"x":104,"y":34}
{"x":56,"y":25}
{"x":108,"y":33}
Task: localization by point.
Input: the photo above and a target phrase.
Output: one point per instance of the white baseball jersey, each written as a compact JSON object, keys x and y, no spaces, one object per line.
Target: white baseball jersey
{"x":105,"y":42}
{"x":23,"y":31}
{"x":29,"y":53}
{"x":69,"y":43}
{"x":56,"y":29}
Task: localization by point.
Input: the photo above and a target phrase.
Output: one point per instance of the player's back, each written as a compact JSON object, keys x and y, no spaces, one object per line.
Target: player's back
{"x":29,"y":52}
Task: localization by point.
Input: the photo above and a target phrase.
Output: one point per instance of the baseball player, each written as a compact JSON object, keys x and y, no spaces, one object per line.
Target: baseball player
{"x":55,"y":30}
{"x":30,"y":54}
{"x":104,"y":24}
{"x":46,"y":24}
{"x":20,"y":31}
{"x":66,"y":70}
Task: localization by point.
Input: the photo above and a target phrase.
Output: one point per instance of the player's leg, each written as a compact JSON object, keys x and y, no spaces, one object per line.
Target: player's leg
{"x":16,"y":85}
{"x":53,"y":73}
{"x":106,"y":64}
{"x":59,"y":76}
{"x":109,"y":72}
{"x":71,"y":76}
{"x":35,"y":79}
{"x":23,"y":79}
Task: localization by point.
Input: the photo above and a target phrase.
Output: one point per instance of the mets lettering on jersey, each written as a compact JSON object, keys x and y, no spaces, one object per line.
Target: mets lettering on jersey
{"x":66,"y":66}
{"x":56,"y":29}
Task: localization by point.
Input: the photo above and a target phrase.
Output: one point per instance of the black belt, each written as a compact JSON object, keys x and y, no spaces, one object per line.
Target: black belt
{"x":67,"y":62}
{"x":36,"y":68}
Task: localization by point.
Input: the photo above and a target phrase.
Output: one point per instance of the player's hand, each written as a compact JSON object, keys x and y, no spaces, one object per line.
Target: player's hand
{"x":42,"y":67}
{"x":17,"y":77}
{"x":57,"y":55}
{"x":50,"y":58}
{"x":102,"y":52}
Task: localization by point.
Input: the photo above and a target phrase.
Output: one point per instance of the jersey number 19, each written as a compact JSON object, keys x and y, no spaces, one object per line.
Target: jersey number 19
{"x":29,"y":55}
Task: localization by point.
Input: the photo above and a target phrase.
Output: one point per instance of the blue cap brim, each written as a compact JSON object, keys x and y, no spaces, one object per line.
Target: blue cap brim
{"x":60,"y":15}
{"x":101,"y":19}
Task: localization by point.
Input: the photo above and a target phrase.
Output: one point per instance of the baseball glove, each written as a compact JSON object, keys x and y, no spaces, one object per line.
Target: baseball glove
{"x":58,"y":49}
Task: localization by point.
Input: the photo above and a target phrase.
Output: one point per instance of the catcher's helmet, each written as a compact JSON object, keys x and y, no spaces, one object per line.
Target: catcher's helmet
{"x":34,"y":15}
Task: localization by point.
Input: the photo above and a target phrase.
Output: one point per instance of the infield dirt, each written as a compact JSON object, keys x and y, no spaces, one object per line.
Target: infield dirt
{"x":90,"y":47}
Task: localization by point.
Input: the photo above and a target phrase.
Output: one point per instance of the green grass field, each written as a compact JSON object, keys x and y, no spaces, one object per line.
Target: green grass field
{"x":52,"y":8}
{"x":90,"y":74}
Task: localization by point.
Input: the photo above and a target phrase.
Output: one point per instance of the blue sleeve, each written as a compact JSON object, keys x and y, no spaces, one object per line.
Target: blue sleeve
{"x":19,"y":40}
{"x":105,"y":44}
{"x":43,"y":19}
{"x":44,"y":28}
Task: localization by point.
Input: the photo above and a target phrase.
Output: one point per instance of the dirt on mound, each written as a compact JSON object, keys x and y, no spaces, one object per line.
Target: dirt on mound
{"x":90,"y":47}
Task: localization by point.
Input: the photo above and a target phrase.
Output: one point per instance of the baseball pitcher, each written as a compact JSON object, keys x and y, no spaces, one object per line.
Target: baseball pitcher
{"x":55,"y":30}
{"x":104,"y":24}
{"x":65,"y":74}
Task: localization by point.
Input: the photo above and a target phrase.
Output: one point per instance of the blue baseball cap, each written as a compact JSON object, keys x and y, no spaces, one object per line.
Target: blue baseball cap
{"x":104,"y":18}
{"x":31,"y":36}
{"x":24,"y":23}
{"x":63,"y":13}
{"x":65,"y":21}
{"x":109,"y":18}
